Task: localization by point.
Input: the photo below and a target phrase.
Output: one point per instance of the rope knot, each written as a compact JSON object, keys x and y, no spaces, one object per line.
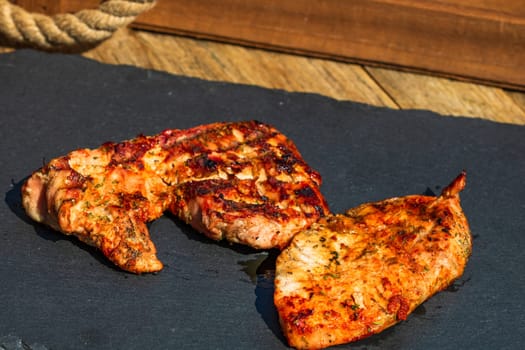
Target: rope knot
{"x":76,"y":31}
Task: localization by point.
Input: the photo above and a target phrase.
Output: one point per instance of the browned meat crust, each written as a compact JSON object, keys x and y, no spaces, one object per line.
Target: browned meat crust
{"x":352,"y":275}
{"x":245,"y":182}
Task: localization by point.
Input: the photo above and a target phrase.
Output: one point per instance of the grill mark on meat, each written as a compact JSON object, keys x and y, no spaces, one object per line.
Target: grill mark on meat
{"x":245,"y":182}
{"x":369,"y":268}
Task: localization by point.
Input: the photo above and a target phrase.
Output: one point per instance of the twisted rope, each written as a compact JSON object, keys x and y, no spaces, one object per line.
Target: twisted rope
{"x":85,"y":28}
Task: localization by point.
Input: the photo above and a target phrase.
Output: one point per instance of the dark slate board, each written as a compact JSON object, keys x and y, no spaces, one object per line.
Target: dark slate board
{"x":59,"y":294}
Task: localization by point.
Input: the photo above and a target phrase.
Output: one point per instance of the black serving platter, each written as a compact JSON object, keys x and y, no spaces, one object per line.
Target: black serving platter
{"x":56,"y":293}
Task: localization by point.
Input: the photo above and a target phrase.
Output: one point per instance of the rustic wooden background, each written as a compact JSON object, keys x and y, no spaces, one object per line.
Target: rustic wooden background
{"x":477,"y":40}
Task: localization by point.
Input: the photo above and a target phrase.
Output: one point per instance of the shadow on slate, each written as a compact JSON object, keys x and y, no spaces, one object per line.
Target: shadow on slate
{"x":60,"y":294}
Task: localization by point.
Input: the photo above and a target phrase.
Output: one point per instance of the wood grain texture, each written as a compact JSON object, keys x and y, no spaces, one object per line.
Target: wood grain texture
{"x":237,"y":64}
{"x":448,"y":97}
{"x":41,"y":6}
{"x":518,"y":98}
{"x":479,"y":40}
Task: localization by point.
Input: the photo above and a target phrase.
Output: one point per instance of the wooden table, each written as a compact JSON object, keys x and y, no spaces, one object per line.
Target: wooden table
{"x":376,"y":86}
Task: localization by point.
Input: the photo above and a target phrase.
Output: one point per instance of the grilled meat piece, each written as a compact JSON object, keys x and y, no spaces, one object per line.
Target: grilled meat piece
{"x":352,"y":275}
{"x":245,"y":182}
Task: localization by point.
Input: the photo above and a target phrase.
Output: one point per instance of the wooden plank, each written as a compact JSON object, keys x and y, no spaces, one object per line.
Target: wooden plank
{"x":447,"y":97}
{"x":518,"y":98}
{"x":478,"y":43}
{"x":237,"y":64}
{"x":479,"y":40}
{"x":40,"y":6}
{"x":473,"y":8}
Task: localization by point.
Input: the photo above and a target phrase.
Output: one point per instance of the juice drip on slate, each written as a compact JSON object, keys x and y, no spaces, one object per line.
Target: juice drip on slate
{"x":261,"y":267}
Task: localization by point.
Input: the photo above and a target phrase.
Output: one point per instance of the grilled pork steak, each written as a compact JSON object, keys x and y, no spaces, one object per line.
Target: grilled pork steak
{"x":352,"y":275}
{"x":245,"y":182}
